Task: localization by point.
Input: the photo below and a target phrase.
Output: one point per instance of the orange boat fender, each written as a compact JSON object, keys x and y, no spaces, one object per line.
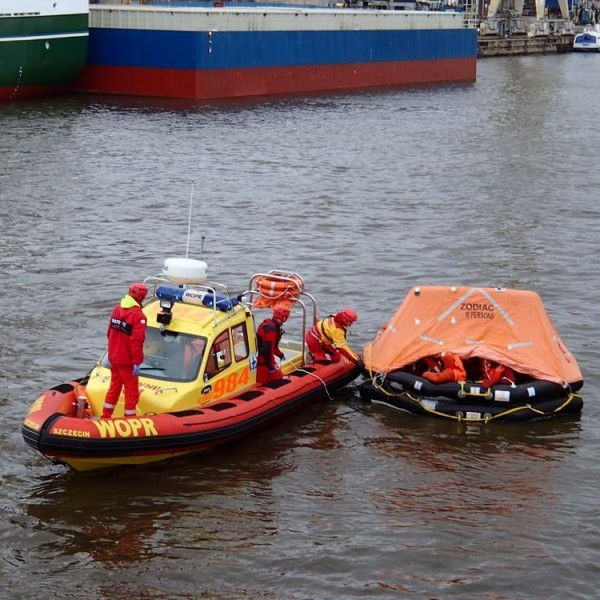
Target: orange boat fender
{"x":83,"y":410}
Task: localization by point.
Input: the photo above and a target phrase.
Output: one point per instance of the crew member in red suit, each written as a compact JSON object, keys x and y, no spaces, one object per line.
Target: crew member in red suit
{"x":445,"y":367}
{"x":126,"y":335}
{"x":326,"y":340}
{"x":268,"y":336}
{"x":493,"y":373}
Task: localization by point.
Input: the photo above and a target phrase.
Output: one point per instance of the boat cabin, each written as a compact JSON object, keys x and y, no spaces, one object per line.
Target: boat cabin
{"x":201,"y":343}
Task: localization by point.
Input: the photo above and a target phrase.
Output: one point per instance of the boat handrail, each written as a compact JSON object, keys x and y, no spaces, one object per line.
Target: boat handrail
{"x":293,"y":282}
{"x":305,"y":358}
{"x":299,"y":296}
{"x":205,"y":287}
{"x":208,"y":286}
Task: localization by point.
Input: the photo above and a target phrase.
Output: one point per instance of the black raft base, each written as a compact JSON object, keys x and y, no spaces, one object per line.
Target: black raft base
{"x":482,"y":409}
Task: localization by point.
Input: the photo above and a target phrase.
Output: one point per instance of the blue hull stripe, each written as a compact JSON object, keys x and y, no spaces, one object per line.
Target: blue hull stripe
{"x":234,"y":50}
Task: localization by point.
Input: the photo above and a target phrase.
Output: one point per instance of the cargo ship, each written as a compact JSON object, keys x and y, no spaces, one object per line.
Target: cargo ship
{"x":208,"y":52}
{"x":43,"y":46}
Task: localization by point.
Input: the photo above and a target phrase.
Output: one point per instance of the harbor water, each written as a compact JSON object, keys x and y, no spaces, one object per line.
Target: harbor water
{"x":364,"y":195}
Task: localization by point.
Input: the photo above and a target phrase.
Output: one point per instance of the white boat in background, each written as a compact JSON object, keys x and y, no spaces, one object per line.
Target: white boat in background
{"x":588,"y":40}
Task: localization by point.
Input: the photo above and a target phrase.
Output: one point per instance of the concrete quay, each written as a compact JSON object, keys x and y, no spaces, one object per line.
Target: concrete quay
{"x":515,"y":45}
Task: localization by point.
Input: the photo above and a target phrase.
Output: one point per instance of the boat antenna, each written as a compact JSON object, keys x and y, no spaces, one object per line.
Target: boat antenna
{"x":187,"y":248}
{"x":202,"y":246}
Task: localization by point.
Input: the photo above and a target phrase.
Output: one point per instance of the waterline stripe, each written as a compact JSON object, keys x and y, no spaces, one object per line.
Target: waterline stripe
{"x":51,"y":36}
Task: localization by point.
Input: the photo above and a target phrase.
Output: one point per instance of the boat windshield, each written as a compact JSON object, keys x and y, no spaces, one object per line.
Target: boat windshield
{"x":170,"y":355}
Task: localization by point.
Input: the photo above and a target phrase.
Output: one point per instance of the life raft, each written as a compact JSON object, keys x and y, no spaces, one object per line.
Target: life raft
{"x":276,"y":287}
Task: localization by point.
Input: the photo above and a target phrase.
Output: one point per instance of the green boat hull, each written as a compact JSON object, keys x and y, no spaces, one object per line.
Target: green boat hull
{"x":41,"y":55}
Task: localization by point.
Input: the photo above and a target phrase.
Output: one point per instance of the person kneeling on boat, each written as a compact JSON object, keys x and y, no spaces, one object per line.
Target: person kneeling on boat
{"x":445,"y":367}
{"x":126,"y":335}
{"x":326,"y":340}
{"x":493,"y":373}
{"x":268,"y":336}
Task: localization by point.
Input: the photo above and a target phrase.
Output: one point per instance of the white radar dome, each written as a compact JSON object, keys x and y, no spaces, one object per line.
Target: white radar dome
{"x":185,"y":270}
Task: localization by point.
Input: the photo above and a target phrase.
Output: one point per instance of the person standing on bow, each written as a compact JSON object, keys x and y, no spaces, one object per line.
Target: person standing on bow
{"x":326,"y":340}
{"x":126,"y":335}
{"x":268,"y":336}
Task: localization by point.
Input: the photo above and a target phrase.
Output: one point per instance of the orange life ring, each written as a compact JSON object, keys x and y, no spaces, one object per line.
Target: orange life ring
{"x":277,"y":290}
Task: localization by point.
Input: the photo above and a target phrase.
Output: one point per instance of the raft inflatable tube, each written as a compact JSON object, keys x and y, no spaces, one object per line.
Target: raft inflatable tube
{"x":471,"y":401}
{"x":400,"y":381}
{"x":461,"y":410}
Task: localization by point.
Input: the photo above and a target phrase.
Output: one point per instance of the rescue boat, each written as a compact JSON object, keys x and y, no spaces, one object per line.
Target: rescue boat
{"x":509,"y":327}
{"x":198,"y":380}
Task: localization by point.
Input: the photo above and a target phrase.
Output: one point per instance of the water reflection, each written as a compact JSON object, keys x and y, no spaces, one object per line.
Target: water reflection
{"x":203,"y":503}
{"x":365,"y":195}
{"x":117,"y":518}
{"x":468,"y":474}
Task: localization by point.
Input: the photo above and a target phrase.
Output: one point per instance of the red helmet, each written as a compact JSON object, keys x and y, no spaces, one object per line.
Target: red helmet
{"x":281,"y":313}
{"x":138,"y":291}
{"x":346,"y":317}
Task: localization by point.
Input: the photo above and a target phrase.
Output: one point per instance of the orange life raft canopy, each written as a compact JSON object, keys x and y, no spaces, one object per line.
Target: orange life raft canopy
{"x":508,"y":326}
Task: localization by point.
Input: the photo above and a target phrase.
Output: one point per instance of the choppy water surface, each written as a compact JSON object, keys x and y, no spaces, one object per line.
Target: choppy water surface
{"x":364,"y":195}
